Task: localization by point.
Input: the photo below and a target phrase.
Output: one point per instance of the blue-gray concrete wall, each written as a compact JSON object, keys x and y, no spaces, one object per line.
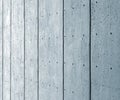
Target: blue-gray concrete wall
{"x":59,"y":50}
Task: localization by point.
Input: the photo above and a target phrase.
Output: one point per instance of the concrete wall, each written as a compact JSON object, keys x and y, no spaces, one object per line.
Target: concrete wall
{"x":59,"y":50}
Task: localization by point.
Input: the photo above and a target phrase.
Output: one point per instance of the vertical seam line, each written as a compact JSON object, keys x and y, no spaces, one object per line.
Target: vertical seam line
{"x":63,"y":48}
{"x":37,"y":49}
{"x":10,"y":42}
{"x":24,"y":48}
{"x":89,"y":49}
{"x":2,"y":50}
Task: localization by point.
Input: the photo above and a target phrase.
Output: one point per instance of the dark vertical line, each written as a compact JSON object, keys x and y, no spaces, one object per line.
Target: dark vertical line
{"x":2,"y":50}
{"x":10,"y":42}
{"x":63,"y":46}
{"x":89,"y":49}
{"x":37,"y":49}
{"x":24,"y":47}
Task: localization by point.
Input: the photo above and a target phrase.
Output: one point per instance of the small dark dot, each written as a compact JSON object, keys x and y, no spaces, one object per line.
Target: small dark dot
{"x":72,"y":63}
{"x":83,"y":65}
{"x":56,"y":87}
{"x":42,"y":16}
{"x":57,"y":62}
{"x":57,"y":13}
{"x":96,"y":34}
{"x":83,"y":35}
{"x":110,"y":68}
{"x":49,"y":14}
{"x":110,"y":33}
{"x":42,"y":38}
{"x":72,"y":91}
{"x":96,"y":2}
{"x":96,"y":66}
{"x":72,"y":35}
{"x":83,"y":5}
{"x":72,"y":7}
{"x":31,"y":60}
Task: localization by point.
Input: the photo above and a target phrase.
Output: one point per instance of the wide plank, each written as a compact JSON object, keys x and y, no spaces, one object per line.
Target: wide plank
{"x":76,"y":49}
{"x":17,"y":50}
{"x":6,"y":49}
{"x":50,"y":50}
{"x":105,"y":50}
{"x":1,"y":50}
{"x":31,"y":50}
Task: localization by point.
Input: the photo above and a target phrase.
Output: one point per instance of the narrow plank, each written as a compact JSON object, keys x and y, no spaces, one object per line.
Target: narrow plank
{"x":105,"y":50}
{"x":76,"y":49}
{"x":17,"y":46}
{"x":50,"y":50}
{"x":0,"y":49}
{"x":30,"y":49}
{"x":6,"y":49}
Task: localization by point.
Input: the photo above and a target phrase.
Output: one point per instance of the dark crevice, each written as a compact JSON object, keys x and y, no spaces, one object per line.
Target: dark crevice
{"x":63,"y":46}
{"x":10,"y":43}
{"x":2,"y":50}
{"x":89,"y":49}
{"x":24,"y":48}
{"x":37,"y":49}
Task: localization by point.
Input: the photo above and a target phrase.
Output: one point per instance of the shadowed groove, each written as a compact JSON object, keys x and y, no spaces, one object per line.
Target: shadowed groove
{"x":63,"y":45}
{"x":2,"y":50}
{"x":24,"y":48}
{"x":89,"y":49}
{"x":10,"y":42}
{"x":37,"y":49}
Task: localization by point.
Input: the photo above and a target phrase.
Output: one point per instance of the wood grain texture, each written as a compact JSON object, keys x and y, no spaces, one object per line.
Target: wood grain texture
{"x":30,"y":49}
{"x":50,"y":50}
{"x":105,"y":50}
{"x":6,"y":49}
{"x":76,"y":49}
{"x":0,"y":49}
{"x":17,"y":46}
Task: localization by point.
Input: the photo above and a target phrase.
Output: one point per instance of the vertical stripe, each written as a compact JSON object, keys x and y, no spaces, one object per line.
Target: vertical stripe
{"x":37,"y":49}
{"x":63,"y":45}
{"x":89,"y":49}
